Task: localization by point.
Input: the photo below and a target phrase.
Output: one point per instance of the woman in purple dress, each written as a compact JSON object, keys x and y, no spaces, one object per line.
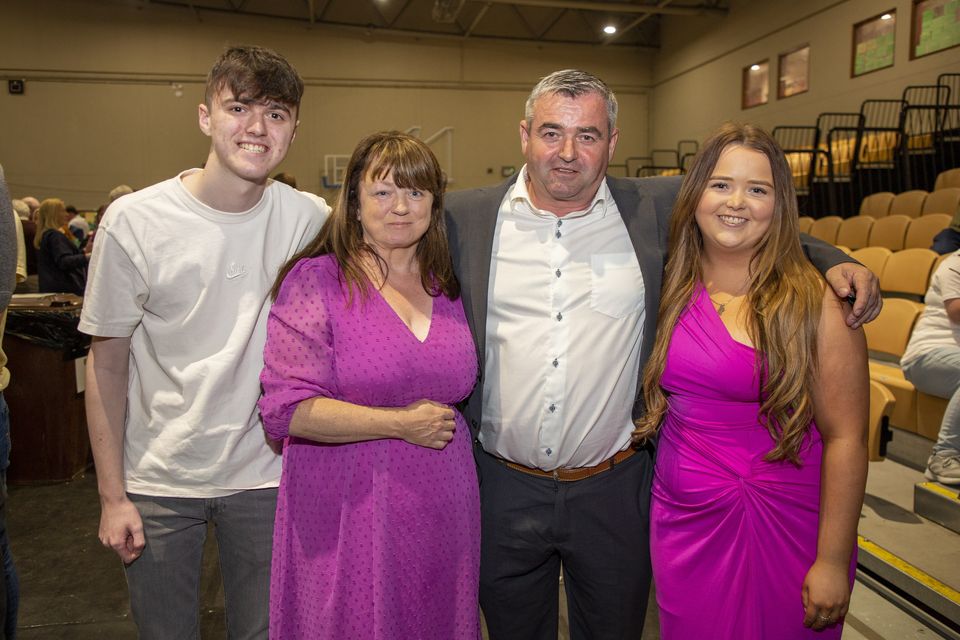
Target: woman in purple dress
{"x":759,"y":391}
{"x":377,"y":528}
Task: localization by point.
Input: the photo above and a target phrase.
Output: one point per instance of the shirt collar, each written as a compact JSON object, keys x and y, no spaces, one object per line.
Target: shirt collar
{"x":520,"y":201}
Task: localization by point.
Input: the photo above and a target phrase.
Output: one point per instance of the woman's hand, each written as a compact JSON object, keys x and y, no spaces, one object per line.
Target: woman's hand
{"x":826,"y":594}
{"x":428,"y":424}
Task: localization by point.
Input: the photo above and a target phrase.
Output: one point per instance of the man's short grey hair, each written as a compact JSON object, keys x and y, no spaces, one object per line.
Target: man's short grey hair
{"x":572,"y":83}
{"x":119,"y":190}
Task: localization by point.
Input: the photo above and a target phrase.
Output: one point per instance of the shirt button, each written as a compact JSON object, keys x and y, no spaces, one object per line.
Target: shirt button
{"x":558,"y":273}
{"x":552,"y":408}
{"x":559,"y":222}
{"x":559,"y":316}
{"x":558,"y":234}
{"x":556,"y":363}
{"x":549,"y":452}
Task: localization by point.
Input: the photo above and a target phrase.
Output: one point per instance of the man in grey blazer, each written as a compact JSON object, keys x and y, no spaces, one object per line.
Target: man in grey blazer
{"x":560,"y":272}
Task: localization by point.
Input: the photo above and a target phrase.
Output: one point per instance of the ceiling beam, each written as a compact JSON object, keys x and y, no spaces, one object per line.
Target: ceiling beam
{"x":633,"y":24}
{"x":614,"y":7}
{"x":477,"y":19}
{"x":399,"y":13}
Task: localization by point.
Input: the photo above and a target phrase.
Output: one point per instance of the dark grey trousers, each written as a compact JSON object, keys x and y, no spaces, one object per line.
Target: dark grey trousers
{"x":164,"y":582}
{"x":596,"y":529}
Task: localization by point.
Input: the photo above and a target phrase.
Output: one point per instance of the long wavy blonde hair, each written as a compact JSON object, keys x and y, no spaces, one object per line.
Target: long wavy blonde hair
{"x":50,"y":215}
{"x":783,"y":300}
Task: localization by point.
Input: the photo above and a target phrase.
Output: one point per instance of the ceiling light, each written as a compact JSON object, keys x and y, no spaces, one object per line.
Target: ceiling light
{"x":754,"y":67}
{"x":610,"y":29}
{"x":886,"y":16}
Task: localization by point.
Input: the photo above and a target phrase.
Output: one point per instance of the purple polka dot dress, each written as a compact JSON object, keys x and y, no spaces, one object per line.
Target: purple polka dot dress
{"x":380,"y":539}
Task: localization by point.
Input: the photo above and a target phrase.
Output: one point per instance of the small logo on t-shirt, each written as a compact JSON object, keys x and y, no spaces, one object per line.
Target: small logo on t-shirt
{"x":235,"y":270}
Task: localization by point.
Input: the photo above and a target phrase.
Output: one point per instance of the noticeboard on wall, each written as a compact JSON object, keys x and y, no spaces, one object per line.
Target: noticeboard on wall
{"x":873,"y":43}
{"x":935,"y":26}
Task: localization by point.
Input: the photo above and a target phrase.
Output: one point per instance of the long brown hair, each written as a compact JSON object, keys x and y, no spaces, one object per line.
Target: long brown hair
{"x":784,"y":298}
{"x":414,"y":167}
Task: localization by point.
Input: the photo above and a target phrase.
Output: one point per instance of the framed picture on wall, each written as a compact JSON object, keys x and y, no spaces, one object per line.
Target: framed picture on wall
{"x":935,"y":26}
{"x":756,"y":84}
{"x":873,"y":43}
{"x":794,"y":70}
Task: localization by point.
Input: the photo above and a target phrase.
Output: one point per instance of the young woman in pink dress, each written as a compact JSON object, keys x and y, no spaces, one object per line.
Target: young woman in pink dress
{"x":377,"y":532}
{"x":758,"y":392}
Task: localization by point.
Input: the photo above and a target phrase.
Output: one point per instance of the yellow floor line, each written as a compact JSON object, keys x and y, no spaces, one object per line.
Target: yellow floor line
{"x":920,"y":576}
{"x":942,"y":490}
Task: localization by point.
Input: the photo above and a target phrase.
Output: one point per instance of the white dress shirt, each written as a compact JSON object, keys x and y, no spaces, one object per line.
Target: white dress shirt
{"x":565,"y":318}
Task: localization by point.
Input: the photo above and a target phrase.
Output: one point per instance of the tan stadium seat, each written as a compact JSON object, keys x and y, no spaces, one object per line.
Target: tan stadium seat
{"x":908,"y":203}
{"x":855,"y":231}
{"x":799,"y":162}
{"x":876,"y":205}
{"x":805,"y":223}
{"x":942,"y":201}
{"x":873,"y":258}
{"x":826,"y":228}
{"x":947,"y":179}
{"x":908,"y":272}
{"x":921,"y":230}
{"x":887,"y":337}
{"x":889,"y":232}
{"x":879,"y":146}
{"x":882,"y":403}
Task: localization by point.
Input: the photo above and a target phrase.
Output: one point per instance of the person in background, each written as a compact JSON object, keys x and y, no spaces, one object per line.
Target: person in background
{"x":177,"y":306}
{"x":367,"y":354}
{"x":34,"y":205}
{"x":560,"y":268}
{"x":932,"y":363}
{"x":62,"y":267}
{"x":21,"y":208}
{"x":759,"y":392}
{"x":119,"y":191}
{"x":79,"y":227}
{"x":948,"y":240}
{"x":12,"y":271}
{"x":29,"y":231}
{"x":286,"y":178}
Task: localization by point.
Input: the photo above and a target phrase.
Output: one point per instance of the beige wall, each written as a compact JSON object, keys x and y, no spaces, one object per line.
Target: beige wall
{"x":99,"y":108}
{"x":697,"y":73}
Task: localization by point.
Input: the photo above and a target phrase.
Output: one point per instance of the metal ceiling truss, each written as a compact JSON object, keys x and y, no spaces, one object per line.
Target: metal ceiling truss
{"x":540,"y":21}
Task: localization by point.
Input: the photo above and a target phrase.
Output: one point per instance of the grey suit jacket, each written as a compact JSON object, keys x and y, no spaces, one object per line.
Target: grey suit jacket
{"x":644,"y":205}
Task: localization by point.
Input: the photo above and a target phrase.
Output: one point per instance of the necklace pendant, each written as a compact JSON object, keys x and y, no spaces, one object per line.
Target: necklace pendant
{"x":721,"y":308}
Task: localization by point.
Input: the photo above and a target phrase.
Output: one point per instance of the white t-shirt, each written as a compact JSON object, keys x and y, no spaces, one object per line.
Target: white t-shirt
{"x":190,"y":286}
{"x":934,"y":328}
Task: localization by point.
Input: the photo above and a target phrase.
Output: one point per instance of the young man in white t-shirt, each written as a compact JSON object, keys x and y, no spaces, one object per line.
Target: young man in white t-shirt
{"x":177,"y":302}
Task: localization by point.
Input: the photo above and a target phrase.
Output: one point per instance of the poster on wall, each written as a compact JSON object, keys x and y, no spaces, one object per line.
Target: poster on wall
{"x":873,"y":43}
{"x":756,"y":84}
{"x":936,"y":26}
{"x":794,"y":72}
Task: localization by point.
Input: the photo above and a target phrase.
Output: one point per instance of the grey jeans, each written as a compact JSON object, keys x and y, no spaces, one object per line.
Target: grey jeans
{"x":164,"y":582}
{"x":937,"y":373}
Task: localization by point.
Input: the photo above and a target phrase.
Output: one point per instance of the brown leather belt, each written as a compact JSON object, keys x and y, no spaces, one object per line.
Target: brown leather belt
{"x":572,"y":475}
